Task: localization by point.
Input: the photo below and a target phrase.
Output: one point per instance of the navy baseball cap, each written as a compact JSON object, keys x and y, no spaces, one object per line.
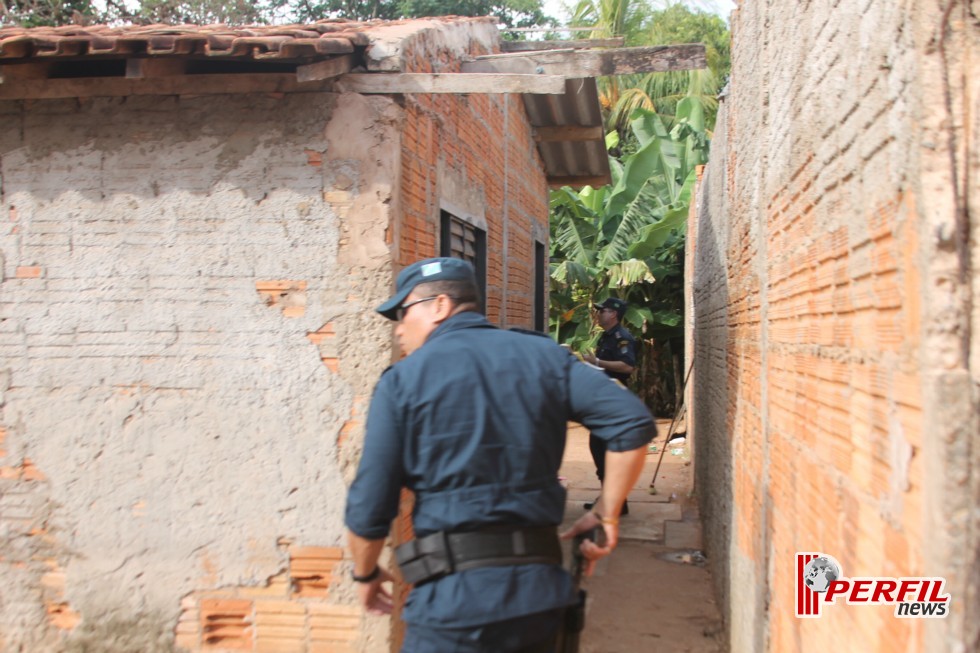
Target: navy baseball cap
{"x":617,"y":305}
{"x":431,"y":269}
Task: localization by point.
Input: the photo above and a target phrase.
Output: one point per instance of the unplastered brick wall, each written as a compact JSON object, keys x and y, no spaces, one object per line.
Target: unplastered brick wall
{"x":475,"y":156}
{"x":186,"y":349}
{"x":834,"y":319}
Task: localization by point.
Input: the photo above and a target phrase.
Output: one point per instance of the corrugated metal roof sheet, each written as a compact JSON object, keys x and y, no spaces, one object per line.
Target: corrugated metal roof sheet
{"x":571,"y":162}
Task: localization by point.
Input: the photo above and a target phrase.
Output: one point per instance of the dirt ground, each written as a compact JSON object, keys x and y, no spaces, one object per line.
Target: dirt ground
{"x":653,"y":594}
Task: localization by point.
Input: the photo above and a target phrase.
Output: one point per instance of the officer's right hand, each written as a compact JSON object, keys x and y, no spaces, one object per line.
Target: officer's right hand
{"x":375,"y":598}
{"x":594,"y":551}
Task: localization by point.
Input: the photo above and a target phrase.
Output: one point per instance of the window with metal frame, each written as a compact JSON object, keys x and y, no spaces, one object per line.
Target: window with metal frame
{"x":540,"y":308}
{"x":460,"y":239}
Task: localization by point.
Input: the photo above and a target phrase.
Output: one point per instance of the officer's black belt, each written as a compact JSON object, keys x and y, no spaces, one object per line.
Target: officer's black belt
{"x":441,"y":553}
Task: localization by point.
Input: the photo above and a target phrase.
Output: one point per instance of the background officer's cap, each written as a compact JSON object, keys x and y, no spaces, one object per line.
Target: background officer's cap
{"x":617,"y":305}
{"x":431,"y":269}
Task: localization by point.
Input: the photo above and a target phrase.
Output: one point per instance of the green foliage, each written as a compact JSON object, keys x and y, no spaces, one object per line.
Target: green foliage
{"x":201,"y":12}
{"x":35,"y":13}
{"x":679,"y":24}
{"x":625,"y":18}
{"x":38,"y":13}
{"x":627,"y":239}
{"x":659,"y":92}
{"x":310,"y":10}
{"x":513,"y":13}
{"x":31,"y":13}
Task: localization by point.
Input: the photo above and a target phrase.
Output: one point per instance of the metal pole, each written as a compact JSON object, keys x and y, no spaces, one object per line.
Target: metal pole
{"x":653,"y":481}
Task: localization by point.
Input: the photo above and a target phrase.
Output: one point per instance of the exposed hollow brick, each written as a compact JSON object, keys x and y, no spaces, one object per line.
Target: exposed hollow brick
{"x":226,"y":624}
{"x":61,"y":616}
{"x":187,"y":633}
{"x":333,"y":628}
{"x":354,"y":423}
{"x":59,"y":611}
{"x":325,"y":338}
{"x":280,"y":626}
{"x":29,"y":272}
{"x":326,"y":331}
{"x":30,"y":472}
{"x":311,"y":569}
{"x":288,"y":296}
{"x":314,"y":158}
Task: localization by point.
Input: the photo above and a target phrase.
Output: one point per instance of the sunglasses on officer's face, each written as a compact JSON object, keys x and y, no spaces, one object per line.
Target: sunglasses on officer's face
{"x":401,"y":310}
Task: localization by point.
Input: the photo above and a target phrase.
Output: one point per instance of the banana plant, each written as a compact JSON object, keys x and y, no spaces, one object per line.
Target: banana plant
{"x":626,"y":239}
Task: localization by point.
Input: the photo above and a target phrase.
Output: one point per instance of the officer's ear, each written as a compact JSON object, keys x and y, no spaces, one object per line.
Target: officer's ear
{"x":443,"y":307}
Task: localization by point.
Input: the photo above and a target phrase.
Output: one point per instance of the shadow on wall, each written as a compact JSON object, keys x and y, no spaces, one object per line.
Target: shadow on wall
{"x":713,"y":397}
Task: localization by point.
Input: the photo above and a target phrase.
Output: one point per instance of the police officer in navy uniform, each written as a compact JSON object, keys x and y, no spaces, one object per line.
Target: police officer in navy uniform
{"x":473,"y":421}
{"x":616,"y":354}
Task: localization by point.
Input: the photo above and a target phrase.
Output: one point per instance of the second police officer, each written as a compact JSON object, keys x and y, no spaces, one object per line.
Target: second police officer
{"x":616,"y":354}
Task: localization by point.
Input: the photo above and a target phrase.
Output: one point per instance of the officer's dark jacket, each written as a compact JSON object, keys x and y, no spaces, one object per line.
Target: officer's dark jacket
{"x":617,"y":344}
{"x":474,"y":423}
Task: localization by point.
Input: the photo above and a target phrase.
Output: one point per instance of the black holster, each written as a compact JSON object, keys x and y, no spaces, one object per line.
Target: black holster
{"x":442,"y":553}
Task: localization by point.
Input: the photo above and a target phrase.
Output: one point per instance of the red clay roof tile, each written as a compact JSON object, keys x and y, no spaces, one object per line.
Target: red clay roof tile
{"x":314,"y":40}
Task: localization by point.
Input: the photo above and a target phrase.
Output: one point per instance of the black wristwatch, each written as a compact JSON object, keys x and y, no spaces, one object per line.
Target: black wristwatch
{"x":368,"y":577}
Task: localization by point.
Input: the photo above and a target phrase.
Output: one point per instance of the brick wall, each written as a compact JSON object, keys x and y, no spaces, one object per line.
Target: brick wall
{"x":473,"y":155}
{"x":834,"y":319}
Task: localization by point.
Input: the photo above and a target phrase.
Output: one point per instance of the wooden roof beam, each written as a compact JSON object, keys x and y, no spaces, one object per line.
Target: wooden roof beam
{"x":451,"y":83}
{"x":10,"y":73}
{"x":536,"y":46}
{"x":328,"y":69}
{"x":593,"y":63}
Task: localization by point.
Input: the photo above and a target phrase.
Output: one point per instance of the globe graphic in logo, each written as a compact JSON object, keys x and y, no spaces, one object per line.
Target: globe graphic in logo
{"x":819,"y":572}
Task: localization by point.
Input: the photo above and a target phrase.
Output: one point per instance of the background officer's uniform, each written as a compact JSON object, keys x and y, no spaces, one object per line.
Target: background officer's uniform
{"x":474,"y":423}
{"x":615,"y":344}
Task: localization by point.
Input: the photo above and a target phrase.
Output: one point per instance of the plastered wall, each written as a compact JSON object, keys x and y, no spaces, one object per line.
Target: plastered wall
{"x":185,"y":347}
{"x":834,"y":319}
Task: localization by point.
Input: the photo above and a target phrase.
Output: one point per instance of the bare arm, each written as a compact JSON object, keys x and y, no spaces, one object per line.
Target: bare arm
{"x":375,"y":599}
{"x":617,"y":367}
{"x":623,"y":468}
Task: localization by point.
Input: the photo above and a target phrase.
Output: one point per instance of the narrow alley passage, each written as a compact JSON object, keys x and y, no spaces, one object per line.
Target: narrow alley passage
{"x":654,"y":593}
